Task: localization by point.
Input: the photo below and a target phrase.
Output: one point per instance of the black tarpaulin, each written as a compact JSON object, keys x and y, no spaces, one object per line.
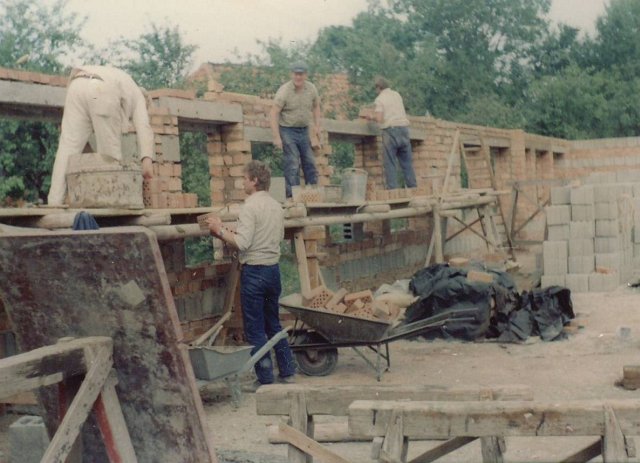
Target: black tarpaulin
{"x":501,"y":313}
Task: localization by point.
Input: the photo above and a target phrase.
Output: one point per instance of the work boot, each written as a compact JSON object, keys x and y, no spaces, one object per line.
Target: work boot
{"x":287,"y":379}
{"x":252,"y":387}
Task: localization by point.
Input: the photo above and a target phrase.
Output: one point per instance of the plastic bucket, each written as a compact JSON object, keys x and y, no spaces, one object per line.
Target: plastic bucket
{"x":354,"y":185}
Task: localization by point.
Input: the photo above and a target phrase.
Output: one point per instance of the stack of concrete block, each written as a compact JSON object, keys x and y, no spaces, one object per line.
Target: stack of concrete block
{"x":593,"y":233}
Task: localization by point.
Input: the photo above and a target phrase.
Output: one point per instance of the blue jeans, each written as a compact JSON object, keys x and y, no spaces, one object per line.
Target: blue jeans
{"x":397,"y":145}
{"x":259,"y":293}
{"x":297,"y":150}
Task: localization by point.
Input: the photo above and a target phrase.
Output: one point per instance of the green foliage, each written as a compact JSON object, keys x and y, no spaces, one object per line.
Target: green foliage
{"x":36,"y":37}
{"x":195,"y":166}
{"x":158,"y":58}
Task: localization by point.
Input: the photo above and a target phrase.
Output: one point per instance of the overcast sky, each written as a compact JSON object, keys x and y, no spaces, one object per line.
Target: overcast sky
{"x":220,"y":27}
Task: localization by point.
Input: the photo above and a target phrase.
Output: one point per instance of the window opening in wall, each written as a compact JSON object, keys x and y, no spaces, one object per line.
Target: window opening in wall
{"x":196,"y":179}
{"x":398,"y":225}
{"x":27,"y":152}
{"x":558,"y":159}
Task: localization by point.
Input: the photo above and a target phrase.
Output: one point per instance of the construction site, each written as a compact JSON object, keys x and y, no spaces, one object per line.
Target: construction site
{"x":115,"y":349}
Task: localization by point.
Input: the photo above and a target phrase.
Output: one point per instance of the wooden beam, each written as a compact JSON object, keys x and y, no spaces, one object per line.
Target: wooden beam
{"x":113,"y":427}
{"x":613,"y":445}
{"x":309,"y":446}
{"x":80,"y":407}
{"x":442,"y":449}
{"x":335,"y":400}
{"x":395,"y":445}
{"x":46,"y":365}
{"x":586,"y":454}
{"x":444,"y":420}
{"x":303,"y":265}
{"x":302,"y":422}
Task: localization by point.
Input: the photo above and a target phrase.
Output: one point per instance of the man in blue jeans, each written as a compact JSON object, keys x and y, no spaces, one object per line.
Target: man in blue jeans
{"x":392,"y":118}
{"x":295,"y":104}
{"x":258,"y":235}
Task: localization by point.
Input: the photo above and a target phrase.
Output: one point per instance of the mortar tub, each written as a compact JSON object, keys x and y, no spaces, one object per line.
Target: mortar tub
{"x":217,"y":362}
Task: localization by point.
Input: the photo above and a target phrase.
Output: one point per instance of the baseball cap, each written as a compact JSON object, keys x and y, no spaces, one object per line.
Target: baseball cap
{"x":299,"y":66}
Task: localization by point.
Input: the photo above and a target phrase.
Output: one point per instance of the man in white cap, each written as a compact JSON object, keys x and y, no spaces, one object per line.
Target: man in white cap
{"x":103,"y":100}
{"x":295,"y":105}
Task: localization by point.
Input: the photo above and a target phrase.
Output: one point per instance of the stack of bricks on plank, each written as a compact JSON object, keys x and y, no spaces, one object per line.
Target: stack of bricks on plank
{"x":360,"y":304}
{"x":593,"y":239}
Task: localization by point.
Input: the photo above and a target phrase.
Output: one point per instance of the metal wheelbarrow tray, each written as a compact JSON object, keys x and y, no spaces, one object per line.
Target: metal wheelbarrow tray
{"x":316,"y":345}
{"x":228,"y":363}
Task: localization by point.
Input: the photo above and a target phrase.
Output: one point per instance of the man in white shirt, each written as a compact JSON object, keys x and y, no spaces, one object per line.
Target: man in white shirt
{"x":258,"y":235}
{"x":392,"y":118}
{"x":100,"y":99}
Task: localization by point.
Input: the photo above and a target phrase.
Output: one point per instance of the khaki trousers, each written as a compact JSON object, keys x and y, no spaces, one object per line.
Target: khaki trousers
{"x":90,"y":105}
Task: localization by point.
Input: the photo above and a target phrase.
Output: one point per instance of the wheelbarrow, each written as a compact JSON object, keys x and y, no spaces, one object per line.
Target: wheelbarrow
{"x":317,"y":334}
{"x":228,"y":363}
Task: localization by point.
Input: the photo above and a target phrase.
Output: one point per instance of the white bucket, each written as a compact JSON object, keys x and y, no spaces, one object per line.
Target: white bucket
{"x":354,"y":185}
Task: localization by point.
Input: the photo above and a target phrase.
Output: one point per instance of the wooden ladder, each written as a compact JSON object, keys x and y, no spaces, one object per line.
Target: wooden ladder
{"x":480,"y":174}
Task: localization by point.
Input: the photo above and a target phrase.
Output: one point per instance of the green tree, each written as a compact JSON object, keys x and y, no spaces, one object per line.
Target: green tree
{"x":37,"y":38}
{"x":617,"y":44}
{"x":157,"y":58}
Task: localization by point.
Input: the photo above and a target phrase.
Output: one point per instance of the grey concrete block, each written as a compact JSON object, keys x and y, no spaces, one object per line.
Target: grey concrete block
{"x":602,"y":282}
{"x":600,"y":177}
{"x":636,"y":190}
{"x":170,"y":147}
{"x":607,"y":228}
{"x":607,"y":245}
{"x":582,"y":195}
{"x":581,"y":248}
{"x":582,"y":212}
{"x":636,"y":234}
{"x":552,"y":280}
{"x":628,"y":176}
{"x":558,"y":232}
{"x":577,"y":283}
{"x":636,"y":250}
{"x":582,"y":265}
{"x":612,"y":261}
{"x":582,"y":230}
{"x":28,"y":440}
{"x":606,"y":211}
{"x":558,"y":215}
{"x":560,"y":195}
{"x":555,"y":254}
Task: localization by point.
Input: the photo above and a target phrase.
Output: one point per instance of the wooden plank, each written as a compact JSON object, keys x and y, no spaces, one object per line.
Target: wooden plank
{"x":395,"y":445}
{"x":309,"y":446}
{"x":586,"y":454}
{"x":303,"y":266}
{"x":335,"y":400}
{"x":157,"y":389}
{"x":492,"y":449}
{"x":613,"y":445}
{"x":300,"y":421}
{"x":80,"y":407}
{"x":437,"y":240}
{"x":442,"y":449}
{"x":444,"y":420}
{"x":452,"y":155}
{"x":46,"y":365}
{"x":112,"y":424}
{"x":322,"y":432}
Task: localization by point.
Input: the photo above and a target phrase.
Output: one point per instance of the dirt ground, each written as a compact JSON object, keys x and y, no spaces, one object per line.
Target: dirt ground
{"x":585,"y":366}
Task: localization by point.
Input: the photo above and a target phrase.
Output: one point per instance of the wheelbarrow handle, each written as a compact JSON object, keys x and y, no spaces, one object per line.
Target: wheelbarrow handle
{"x":262,"y":351}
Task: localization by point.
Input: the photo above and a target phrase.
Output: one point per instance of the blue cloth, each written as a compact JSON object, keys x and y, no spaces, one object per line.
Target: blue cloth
{"x":297,"y":151}
{"x":259,"y":293}
{"x":397,"y":145}
{"x":84,"y":221}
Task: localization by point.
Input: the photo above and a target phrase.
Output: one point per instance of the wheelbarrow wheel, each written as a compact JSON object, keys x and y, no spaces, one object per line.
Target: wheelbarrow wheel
{"x":316,"y":362}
